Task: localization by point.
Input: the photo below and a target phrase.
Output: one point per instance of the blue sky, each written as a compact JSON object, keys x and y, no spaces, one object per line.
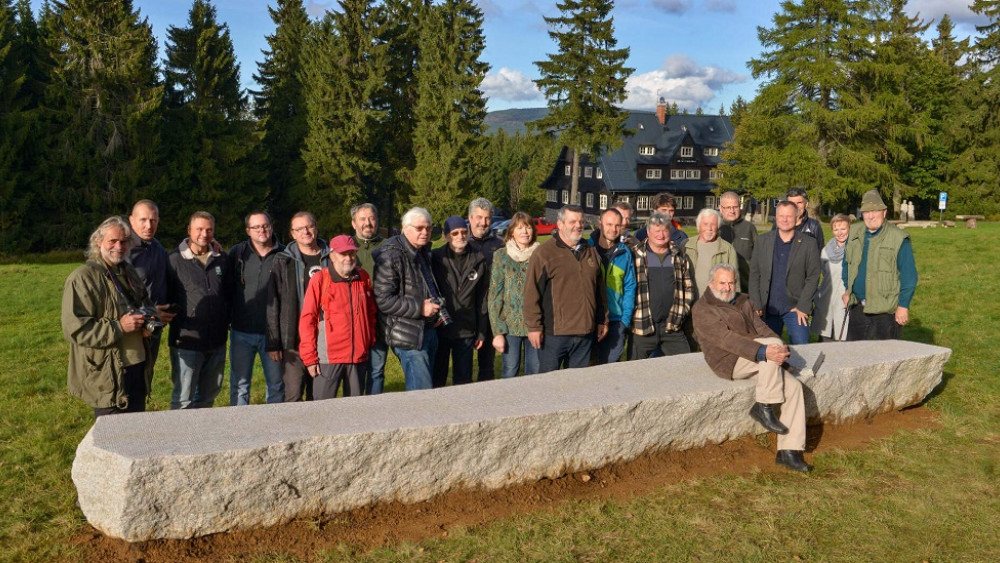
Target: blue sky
{"x":692,"y":52}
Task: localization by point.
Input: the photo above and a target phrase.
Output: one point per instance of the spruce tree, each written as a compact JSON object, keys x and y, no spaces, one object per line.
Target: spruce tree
{"x":279,"y":106}
{"x":584,"y":82}
{"x":450,"y":109}
{"x":106,"y":99}
{"x":209,"y":133}
{"x":13,"y":130}
{"x":344,"y":77}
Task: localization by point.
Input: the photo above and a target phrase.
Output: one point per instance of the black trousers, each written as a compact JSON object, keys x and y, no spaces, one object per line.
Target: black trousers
{"x":861,"y":326}
{"x":134,"y":381}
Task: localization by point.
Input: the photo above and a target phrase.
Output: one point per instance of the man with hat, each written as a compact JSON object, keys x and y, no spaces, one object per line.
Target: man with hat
{"x":463,"y":278}
{"x":880,"y":274}
{"x":337,"y":326}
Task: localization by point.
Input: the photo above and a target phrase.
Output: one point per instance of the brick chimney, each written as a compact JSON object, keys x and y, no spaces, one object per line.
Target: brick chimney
{"x":661,"y":111}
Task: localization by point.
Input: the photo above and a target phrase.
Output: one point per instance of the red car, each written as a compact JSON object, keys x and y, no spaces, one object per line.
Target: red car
{"x":543,"y":227}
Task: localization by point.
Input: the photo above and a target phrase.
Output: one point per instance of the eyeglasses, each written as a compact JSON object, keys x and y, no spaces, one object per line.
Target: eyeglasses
{"x":460,"y":233}
{"x":730,"y":207}
{"x":303,"y":229}
{"x":421,"y":228}
{"x":257,"y":228}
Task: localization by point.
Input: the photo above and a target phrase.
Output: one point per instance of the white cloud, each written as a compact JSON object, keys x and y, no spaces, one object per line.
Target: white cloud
{"x":510,"y":85}
{"x":682,"y":80}
{"x":727,"y":6}
{"x":672,"y":6}
{"x":957,"y":10}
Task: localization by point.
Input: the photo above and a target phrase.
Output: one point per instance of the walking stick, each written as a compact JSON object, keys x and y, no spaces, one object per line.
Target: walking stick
{"x":843,"y":325}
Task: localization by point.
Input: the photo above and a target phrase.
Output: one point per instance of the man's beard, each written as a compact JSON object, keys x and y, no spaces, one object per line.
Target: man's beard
{"x":111,"y":258}
{"x":726,"y":296}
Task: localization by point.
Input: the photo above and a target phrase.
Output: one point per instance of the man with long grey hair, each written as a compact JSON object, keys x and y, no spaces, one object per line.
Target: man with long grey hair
{"x":107,"y":318}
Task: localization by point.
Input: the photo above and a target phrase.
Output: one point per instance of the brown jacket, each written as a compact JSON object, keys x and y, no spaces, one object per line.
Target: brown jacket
{"x":726,"y":331}
{"x":564,"y":294}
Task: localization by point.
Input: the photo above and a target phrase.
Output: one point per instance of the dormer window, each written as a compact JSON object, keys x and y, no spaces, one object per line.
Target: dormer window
{"x":647,"y":150}
{"x":654,"y":173}
{"x":687,"y":152}
{"x":711,"y":151}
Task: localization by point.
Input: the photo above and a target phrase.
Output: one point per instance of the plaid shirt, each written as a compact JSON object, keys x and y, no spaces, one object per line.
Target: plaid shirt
{"x":642,"y":319}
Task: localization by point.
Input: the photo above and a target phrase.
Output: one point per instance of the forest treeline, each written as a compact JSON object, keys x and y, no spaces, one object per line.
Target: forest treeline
{"x":376,"y":101}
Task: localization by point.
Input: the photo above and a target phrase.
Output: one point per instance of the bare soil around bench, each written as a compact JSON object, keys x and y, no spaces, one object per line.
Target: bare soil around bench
{"x":394,"y":523}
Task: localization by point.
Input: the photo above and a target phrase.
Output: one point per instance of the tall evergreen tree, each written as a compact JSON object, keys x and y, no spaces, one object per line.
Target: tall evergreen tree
{"x":209,"y":134}
{"x":450,"y":108}
{"x":13,"y":128}
{"x":344,"y":76}
{"x":810,"y":126}
{"x":280,"y":107}
{"x":973,"y":172}
{"x":107,"y":100}
{"x":584,"y":82}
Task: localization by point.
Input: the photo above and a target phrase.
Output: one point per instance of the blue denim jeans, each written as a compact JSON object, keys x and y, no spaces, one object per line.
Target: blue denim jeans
{"x":419,"y":364}
{"x":243,"y":346}
{"x":511,"y":358}
{"x":375,"y":369}
{"x":609,"y":350}
{"x":797,"y":334}
{"x":197,"y":376}
{"x":564,"y":351}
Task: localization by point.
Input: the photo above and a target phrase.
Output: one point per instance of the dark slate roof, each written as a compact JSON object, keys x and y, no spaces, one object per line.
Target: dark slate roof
{"x":619,"y":167}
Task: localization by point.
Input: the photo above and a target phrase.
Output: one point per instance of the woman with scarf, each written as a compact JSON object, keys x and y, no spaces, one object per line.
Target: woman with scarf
{"x":829,"y":314}
{"x":506,"y":297}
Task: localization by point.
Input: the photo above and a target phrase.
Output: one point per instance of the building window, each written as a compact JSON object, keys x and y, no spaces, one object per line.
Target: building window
{"x":710,"y":201}
{"x":569,"y":169}
{"x":642,"y":202}
{"x":604,"y":201}
{"x":598,"y":174}
{"x":624,"y":199}
{"x":688,"y":202}
{"x":551,"y":196}
{"x":654,"y":173}
{"x":588,"y":172}
{"x":713,"y":174}
{"x":711,"y":151}
{"x":676,"y":174}
{"x":565,"y":197}
{"x":576,"y":200}
{"x":692,"y":174}
{"x":590,"y":201}
{"x":647,"y":150}
{"x":687,"y":152}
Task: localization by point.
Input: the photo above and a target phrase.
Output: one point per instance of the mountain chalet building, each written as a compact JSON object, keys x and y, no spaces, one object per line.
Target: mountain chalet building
{"x":666,"y":153}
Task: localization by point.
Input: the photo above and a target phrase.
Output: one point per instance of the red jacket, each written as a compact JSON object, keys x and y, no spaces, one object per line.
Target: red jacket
{"x":337,"y":325}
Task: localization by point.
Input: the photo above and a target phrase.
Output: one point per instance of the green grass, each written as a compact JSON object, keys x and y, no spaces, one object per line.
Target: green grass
{"x":926,"y":495}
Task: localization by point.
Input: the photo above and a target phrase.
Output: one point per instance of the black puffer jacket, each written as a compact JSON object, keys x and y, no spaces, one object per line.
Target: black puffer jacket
{"x":400,"y":291}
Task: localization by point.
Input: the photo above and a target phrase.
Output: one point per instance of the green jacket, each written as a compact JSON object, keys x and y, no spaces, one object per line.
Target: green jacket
{"x":882,"y":283}
{"x":91,"y":307}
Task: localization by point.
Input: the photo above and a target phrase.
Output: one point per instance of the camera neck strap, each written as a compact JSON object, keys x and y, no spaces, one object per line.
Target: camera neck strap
{"x":131,"y":296}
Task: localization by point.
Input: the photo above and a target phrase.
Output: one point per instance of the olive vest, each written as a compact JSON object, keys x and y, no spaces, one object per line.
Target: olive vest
{"x":881,"y":270}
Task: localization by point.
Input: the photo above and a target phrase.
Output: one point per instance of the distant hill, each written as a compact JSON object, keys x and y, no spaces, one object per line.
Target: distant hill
{"x":513,"y":120}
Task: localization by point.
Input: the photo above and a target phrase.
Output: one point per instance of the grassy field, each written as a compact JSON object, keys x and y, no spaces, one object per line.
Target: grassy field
{"x":926,"y":495}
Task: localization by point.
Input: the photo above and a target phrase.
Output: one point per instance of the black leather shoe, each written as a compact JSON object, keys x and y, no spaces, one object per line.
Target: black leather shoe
{"x":764,"y":414}
{"x":793,"y":460}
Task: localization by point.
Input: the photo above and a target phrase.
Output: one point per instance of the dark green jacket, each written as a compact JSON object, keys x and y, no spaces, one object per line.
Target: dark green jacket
{"x":91,"y":307}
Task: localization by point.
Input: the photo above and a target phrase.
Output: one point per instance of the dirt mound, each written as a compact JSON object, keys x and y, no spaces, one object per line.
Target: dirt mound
{"x":392,"y":523}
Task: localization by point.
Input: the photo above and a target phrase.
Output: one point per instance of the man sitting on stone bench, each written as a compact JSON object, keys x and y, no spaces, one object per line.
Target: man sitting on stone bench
{"x":737,"y":345}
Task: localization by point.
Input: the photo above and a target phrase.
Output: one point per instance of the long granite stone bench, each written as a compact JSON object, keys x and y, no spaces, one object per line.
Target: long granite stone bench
{"x":183,"y":474}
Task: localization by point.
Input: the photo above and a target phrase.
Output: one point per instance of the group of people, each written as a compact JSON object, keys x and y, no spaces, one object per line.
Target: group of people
{"x":322,"y":316}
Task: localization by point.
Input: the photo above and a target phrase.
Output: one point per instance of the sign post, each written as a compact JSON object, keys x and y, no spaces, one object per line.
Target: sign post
{"x":942,"y":204}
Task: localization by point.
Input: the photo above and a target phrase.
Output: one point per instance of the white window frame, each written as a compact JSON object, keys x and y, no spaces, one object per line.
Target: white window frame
{"x":647,"y":150}
{"x":643,"y":202}
{"x":603,"y":199}
{"x":569,"y":170}
{"x":588,"y":172}
{"x":551,"y":195}
{"x":624,"y":199}
{"x":711,"y":202}
{"x":598,"y":174}
{"x":590,"y":201}
{"x":692,"y":174}
{"x":688,"y":202}
{"x":711,"y":151}
{"x":676,"y":174}
{"x":687,"y":152}
{"x":713,"y":174}
{"x":654,"y":173}
{"x":565,"y":197}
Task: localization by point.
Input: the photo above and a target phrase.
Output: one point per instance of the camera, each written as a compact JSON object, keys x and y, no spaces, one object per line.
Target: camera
{"x":443,"y":315}
{"x":151,"y":317}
